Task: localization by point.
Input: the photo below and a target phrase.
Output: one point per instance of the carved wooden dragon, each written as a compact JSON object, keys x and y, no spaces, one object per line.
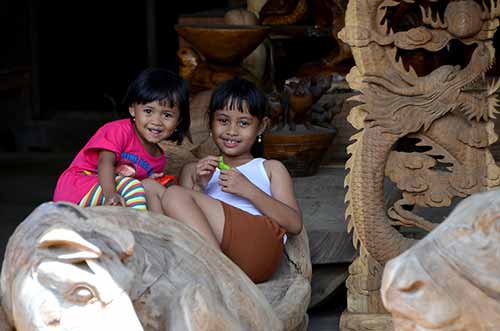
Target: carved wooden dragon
{"x":450,"y":123}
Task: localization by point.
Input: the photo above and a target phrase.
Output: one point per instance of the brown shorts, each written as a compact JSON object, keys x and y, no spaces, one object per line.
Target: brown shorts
{"x":254,"y":243}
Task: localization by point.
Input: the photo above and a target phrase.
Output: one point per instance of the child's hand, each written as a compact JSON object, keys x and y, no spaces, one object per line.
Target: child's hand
{"x":125,"y":170}
{"x":205,"y":168}
{"x":114,"y":199}
{"x":233,"y":181}
{"x":156,"y":175}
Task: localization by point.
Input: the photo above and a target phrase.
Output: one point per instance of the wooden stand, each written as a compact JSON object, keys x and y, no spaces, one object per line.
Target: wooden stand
{"x":364,"y":306}
{"x":301,"y":151}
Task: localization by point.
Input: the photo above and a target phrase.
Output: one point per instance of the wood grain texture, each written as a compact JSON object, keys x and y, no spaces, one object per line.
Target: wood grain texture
{"x":174,"y":279}
{"x":450,"y":278}
{"x":424,"y":131}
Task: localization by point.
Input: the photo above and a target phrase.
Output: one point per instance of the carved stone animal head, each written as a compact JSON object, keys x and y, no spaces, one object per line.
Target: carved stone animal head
{"x":450,"y":280}
{"x":54,"y":279}
{"x":105,"y":268}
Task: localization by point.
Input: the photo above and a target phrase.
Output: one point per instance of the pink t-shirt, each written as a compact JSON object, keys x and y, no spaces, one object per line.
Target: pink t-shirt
{"x":118,"y":137}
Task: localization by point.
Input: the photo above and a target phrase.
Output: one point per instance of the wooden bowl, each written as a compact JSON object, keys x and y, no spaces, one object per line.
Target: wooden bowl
{"x":300,"y":151}
{"x":223,"y":43}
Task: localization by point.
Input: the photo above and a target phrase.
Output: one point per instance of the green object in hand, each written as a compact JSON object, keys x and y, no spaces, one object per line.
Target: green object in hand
{"x":222,"y":165}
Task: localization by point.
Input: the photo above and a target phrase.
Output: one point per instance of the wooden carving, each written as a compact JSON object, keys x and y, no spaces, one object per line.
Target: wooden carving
{"x":280,"y":12}
{"x":300,"y":94}
{"x":255,"y":6}
{"x":108,"y":268}
{"x":276,"y":110}
{"x":321,"y":12}
{"x":217,"y":52}
{"x":257,"y":62}
{"x":428,"y":133}
{"x":450,"y":280}
{"x":203,"y":75}
{"x":337,"y":9}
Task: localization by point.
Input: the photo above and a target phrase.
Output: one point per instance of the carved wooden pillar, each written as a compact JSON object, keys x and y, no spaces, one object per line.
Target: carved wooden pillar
{"x":427,"y":130}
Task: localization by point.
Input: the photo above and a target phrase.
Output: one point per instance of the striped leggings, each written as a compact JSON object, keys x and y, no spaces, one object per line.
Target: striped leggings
{"x":129,"y":188}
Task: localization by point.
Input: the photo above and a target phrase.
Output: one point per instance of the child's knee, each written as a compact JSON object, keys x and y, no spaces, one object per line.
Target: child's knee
{"x":173,"y":195}
{"x":172,"y":192}
{"x":151,"y":185}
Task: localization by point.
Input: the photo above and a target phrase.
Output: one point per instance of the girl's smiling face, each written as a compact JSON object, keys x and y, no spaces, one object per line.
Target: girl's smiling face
{"x":154,"y":121}
{"x":235,"y":131}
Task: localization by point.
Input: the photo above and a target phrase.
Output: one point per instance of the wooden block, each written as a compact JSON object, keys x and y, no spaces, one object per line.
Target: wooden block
{"x":321,"y":199}
{"x":330,"y":246}
{"x":365,"y":322}
{"x":363,"y":288}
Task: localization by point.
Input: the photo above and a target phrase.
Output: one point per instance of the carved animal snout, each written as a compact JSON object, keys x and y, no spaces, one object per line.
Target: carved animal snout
{"x":410,"y":293}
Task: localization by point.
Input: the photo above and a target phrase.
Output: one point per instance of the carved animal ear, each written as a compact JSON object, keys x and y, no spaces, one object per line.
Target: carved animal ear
{"x":123,"y":240}
{"x":72,"y":246}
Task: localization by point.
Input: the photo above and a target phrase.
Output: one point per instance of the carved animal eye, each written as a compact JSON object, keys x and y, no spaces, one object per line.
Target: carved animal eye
{"x":81,"y":294}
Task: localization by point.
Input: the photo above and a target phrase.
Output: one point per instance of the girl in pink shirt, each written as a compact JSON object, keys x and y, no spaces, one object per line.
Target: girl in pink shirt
{"x":158,"y":103}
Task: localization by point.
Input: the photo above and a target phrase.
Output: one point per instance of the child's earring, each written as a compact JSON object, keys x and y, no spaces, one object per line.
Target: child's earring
{"x":210,"y":134}
{"x":259,"y":138}
{"x":133,"y":119}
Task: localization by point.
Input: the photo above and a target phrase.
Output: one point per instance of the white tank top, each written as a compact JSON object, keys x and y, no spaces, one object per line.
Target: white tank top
{"x":255,"y":172}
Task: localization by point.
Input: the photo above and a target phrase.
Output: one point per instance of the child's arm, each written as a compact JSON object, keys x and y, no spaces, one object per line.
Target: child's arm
{"x":186,"y":177}
{"x":282,"y":207}
{"x":106,"y":173}
{"x":196,"y":176}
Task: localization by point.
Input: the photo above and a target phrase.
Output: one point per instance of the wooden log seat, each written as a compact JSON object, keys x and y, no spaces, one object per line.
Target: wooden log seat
{"x":109,"y":268}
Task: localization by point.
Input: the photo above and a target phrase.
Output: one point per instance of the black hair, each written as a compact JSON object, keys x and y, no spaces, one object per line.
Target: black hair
{"x":233,"y":93}
{"x":157,"y":84}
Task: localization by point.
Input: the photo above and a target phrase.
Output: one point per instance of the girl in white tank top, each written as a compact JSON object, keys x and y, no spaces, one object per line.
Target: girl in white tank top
{"x":242,"y":185}
{"x":255,"y":172}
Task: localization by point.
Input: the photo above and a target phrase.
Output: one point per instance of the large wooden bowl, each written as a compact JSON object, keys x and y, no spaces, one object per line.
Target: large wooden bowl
{"x":301,"y":151}
{"x":223,"y":43}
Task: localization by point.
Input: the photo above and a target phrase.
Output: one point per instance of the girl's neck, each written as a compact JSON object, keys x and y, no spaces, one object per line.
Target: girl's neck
{"x":237,"y":160}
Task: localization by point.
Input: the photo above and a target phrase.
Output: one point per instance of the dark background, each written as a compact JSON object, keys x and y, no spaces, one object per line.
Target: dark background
{"x":84,"y":49}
